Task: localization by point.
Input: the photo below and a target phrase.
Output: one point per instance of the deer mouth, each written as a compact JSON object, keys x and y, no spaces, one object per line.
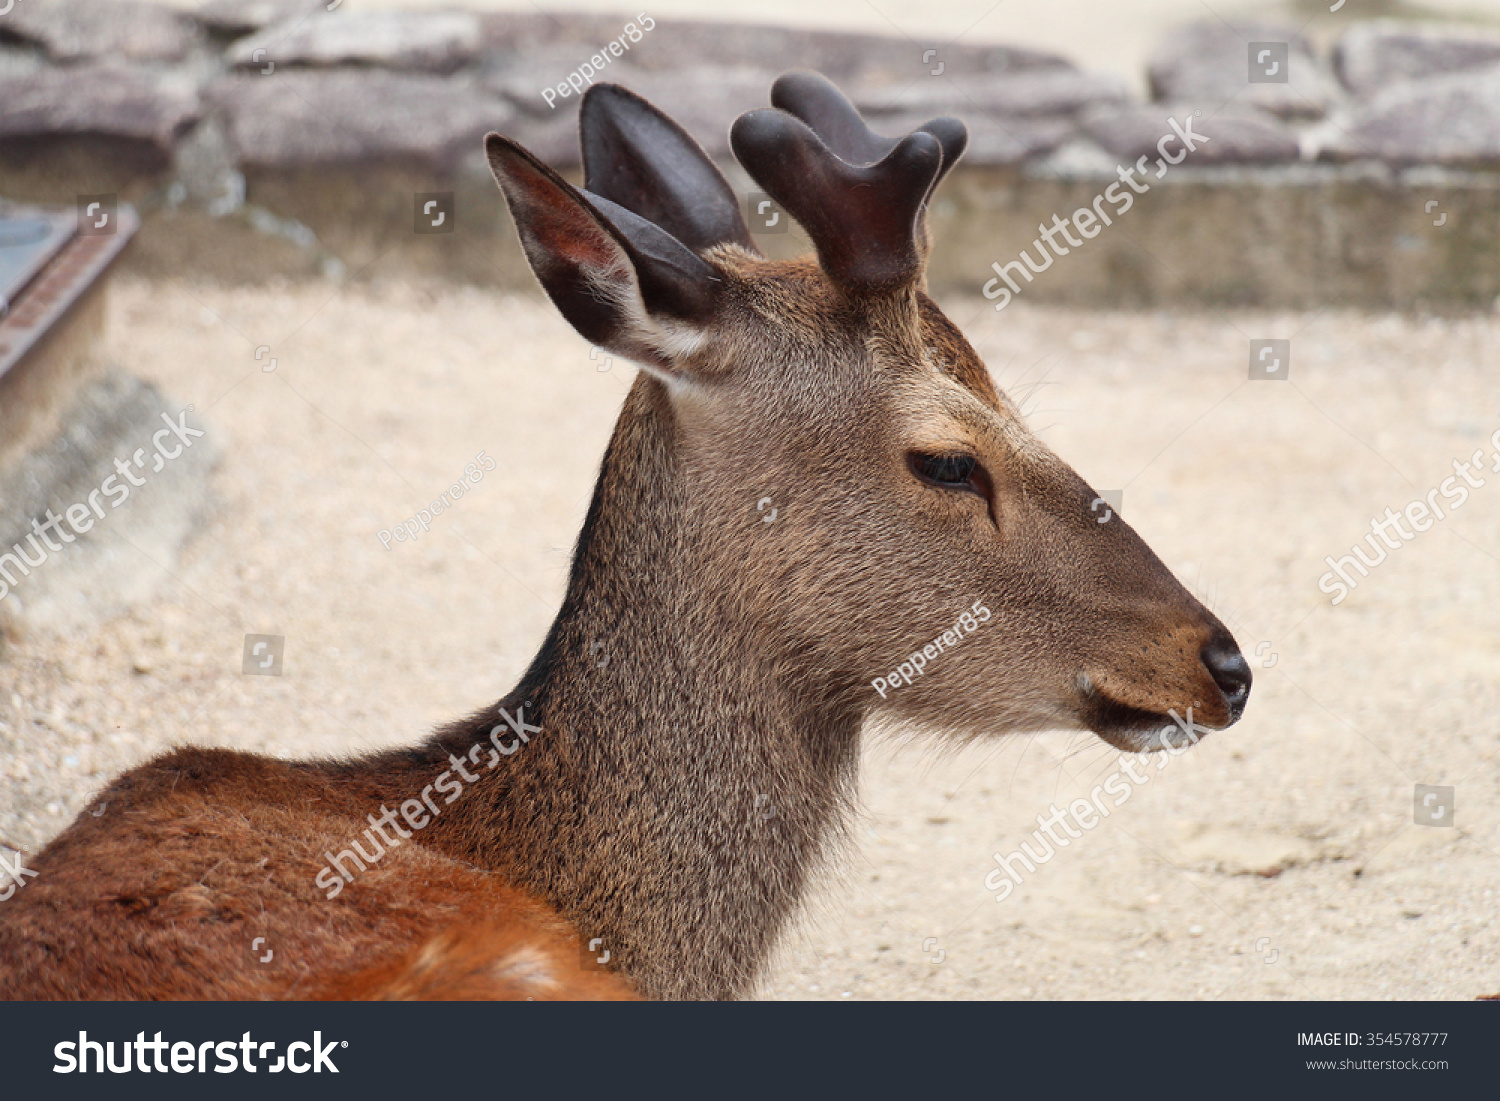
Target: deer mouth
{"x":1136,"y":730}
{"x":1140,"y":730}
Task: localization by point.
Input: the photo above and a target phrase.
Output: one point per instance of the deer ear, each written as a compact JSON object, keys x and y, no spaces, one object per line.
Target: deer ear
{"x":622,"y":282}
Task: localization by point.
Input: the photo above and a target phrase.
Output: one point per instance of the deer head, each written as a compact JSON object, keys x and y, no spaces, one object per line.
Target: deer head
{"x":906,"y":488}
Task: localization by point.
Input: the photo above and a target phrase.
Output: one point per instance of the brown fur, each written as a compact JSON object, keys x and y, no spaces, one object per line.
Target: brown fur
{"x":705,"y":666}
{"x":202,"y":851}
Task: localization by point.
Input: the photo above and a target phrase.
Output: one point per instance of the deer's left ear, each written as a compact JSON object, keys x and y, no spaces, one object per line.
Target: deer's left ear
{"x":625,"y":284}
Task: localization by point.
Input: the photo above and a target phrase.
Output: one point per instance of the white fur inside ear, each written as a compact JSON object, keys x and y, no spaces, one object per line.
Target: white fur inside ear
{"x":678,"y":341}
{"x":665,"y":339}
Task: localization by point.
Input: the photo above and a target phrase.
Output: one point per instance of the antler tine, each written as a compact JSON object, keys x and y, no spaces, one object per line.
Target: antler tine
{"x":817,"y":101}
{"x":814,"y":99}
{"x":863,"y":219}
{"x":860,"y":196}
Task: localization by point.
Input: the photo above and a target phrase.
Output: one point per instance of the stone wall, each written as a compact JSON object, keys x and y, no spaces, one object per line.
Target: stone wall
{"x":265,"y":138}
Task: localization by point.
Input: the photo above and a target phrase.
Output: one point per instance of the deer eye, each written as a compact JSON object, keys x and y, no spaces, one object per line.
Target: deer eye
{"x":951,"y":471}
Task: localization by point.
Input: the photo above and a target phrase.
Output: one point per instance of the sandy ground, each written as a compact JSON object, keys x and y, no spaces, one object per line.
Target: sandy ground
{"x":1279,"y":859}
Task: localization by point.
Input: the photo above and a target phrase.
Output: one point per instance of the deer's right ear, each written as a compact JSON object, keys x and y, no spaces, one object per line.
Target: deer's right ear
{"x":625,"y":284}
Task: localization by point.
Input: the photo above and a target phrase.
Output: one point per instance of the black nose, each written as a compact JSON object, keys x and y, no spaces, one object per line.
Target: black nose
{"x":1231,"y":672}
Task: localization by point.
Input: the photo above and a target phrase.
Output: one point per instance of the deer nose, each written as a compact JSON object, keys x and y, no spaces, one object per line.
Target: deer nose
{"x":1230,"y":671}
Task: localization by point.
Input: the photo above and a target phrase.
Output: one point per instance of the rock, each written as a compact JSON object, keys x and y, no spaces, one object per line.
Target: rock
{"x":97,"y":100}
{"x":706,"y":101}
{"x":124,"y":555}
{"x":994,"y":142}
{"x":1208,"y":63}
{"x":204,"y":172}
{"x":554,"y":139}
{"x":703,"y":101}
{"x":1451,"y":120}
{"x":522,"y":78}
{"x":845,"y":58}
{"x":1375,"y":55}
{"x":1008,"y":142}
{"x":437,"y":42}
{"x":733,"y":66}
{"x":239,"y":17}
{"x":1012,"y":117}
{"x":353,"y":117}
{"x":1042,"y":93}
{"x":20,"y":61}
{"x":1234,"y":136}
{"x":73,"y":30}
{"x":522,"y":33}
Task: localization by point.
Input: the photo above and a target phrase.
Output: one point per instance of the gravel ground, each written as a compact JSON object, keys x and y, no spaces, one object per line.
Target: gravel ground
{"x":1276,"y":860}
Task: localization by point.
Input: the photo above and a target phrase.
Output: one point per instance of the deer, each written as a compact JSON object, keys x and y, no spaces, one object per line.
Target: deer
{"x":641,"y":815}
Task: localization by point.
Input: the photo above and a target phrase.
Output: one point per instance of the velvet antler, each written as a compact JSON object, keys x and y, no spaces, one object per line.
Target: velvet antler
{"x":859,"y":195}
{"x":816,"y":100}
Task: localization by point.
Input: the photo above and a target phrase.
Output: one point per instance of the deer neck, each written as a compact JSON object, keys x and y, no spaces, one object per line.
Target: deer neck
{"x":680,"y":789}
